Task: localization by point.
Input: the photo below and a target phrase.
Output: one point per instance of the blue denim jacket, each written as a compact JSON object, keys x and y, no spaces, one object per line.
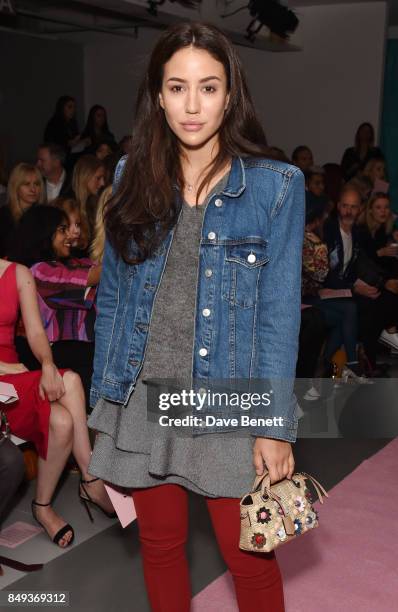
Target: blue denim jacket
{"x":248,"y":292}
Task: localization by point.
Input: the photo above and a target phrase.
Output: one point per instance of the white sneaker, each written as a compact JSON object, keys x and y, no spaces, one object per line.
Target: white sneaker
{"x":312,"y":395}
{"x":349,"y":374}
{"x":390,"y":340}
{"x":299,"y":411}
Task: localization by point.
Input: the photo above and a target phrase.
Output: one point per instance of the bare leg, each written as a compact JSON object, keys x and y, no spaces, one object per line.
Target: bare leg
{"x":49,"y":471}
{"x":74,"y":402}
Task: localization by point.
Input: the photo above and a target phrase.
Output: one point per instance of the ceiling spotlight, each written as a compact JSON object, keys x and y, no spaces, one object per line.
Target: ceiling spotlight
{"x":270,"y":13}
{"x":279,"y":19}
{"x":154,"y":4}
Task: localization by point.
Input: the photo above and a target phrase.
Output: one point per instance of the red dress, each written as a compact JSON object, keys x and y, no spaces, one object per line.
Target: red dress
{"x":28,"y":417}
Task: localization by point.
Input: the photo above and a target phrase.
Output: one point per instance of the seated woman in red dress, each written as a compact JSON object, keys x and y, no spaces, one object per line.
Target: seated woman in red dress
{"x":50,"y":411}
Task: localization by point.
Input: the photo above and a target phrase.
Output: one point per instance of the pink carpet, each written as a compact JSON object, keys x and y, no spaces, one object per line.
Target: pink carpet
{"x":348,"y":564}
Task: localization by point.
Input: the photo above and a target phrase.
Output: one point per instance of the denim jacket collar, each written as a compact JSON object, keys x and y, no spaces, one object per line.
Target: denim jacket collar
{"x":236,"y":180}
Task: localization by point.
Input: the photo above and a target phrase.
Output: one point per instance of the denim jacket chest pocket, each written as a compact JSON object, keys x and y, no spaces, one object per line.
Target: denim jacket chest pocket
{"x":243,"y":262}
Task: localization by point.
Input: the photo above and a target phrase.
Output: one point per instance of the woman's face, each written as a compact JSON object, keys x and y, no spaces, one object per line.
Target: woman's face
{"x":29,"y":191}
{"x":381,"y":210}
{"x":365,"y":135}
{"x":103,"y":151}
{"x":378,"y":171}
{"x":74,"y":228}
{"x":194,"y":96}
{"x":96,"y":182}
{"x":69,"y":110}
{"x":61,"y":241}
{"x":316,"y":184}
{"x":99,"y":118}
{"x":304,"y":160}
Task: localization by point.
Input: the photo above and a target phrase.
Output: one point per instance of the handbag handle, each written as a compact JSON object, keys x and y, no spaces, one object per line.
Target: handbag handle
{"x":258,"y":480}
{"x":265,"y":481}
{"x":317,"y":486}
{"x":4,"y":426}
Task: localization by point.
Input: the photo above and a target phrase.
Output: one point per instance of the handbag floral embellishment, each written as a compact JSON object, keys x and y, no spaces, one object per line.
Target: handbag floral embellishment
{"x":263,"y":515}
{"x":299,"y":504}
{"x":311,"y":519}
{"x":259,"y":540}
{"x":281,"y":533}
{"x":308,"y":495}
{"x":288,"y":514}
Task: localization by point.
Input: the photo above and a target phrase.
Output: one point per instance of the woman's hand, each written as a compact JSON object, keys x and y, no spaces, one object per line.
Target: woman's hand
{"x":388,"y":251}
{"x":73,"y":141}
{"x":392,"y":285}
{"x":277,"y":456}
{"x":51,"y":383}
{"x":94,"y":275}
{"x":12,"y":368}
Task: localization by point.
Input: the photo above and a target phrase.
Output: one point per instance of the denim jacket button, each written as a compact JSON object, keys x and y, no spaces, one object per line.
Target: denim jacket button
{"x":218,"y":203}
{"x":211,"y":235}
{"x":208,"y":272}
{"x":203,"y":352}
{"x":251,"y":258}
{"x":206,"y":312}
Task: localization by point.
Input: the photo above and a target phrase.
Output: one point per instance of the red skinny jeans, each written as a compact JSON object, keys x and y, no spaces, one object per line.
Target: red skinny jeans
{"x":162,"y":516}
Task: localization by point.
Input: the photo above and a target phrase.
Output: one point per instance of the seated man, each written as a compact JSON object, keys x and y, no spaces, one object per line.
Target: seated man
{"x":351,"y":270}
{"x":50,"y":161}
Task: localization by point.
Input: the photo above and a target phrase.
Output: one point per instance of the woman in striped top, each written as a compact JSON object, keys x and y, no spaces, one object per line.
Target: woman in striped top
{"x":66,"y":289}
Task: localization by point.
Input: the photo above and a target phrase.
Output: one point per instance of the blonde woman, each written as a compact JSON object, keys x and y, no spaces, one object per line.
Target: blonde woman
{"x":98,"y":244}
{"x":88,"y":179}
{"x":25,"y":188}
{"x":375,"y":170}
{"x":377,"y":223}
{"x":375,"y":239}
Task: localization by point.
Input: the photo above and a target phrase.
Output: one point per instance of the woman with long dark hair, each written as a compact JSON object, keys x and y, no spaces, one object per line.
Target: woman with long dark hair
{"x":62,"y":128}
{"x":66,"y":289}
{"x":204,"y":223}
{"x":356,"y":157}
{"x":97,"y":128}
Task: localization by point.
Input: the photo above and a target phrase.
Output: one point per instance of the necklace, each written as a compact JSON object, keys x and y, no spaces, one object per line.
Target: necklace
{"x":189,"y":187}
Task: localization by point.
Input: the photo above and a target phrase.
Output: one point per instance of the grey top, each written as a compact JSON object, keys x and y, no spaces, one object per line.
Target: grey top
{"x":131,"y":451}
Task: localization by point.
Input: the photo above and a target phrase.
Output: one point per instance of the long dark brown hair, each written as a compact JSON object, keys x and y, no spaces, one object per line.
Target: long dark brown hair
{"x":357,"y":133}
{"x":145,"y":207}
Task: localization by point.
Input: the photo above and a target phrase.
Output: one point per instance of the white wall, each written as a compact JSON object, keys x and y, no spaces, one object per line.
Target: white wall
{"x":113,"y":68}
{"x":317,"y":96}
{"x":34,"y":72}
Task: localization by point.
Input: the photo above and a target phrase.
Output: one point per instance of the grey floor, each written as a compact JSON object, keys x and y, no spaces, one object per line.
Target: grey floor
{"x":102,"y":570}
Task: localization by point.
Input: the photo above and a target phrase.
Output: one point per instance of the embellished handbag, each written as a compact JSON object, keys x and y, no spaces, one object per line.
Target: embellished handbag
{"x":271,"y":515}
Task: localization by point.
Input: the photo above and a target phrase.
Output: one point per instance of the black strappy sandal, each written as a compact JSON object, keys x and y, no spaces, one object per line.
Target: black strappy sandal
{"x":60,"y":533}
{"x":87,"y":500}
